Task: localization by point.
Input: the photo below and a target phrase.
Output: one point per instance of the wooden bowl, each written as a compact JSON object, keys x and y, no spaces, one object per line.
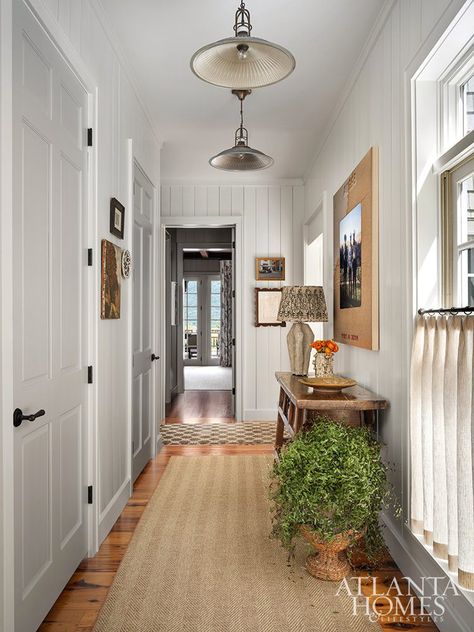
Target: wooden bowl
{"x":332,"y":384}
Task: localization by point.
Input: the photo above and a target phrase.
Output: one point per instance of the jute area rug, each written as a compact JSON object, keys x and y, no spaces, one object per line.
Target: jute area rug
{"x":246,"y":432}
{"x":201,"y":561}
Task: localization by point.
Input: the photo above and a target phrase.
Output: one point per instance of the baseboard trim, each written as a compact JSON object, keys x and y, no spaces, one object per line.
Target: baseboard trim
{"x":261,"y":414}
{"x":415,"y":561}
{"x":159,"y":443}
{"x":113,"y":510}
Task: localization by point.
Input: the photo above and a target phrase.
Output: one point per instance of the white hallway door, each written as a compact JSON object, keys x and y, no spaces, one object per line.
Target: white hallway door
{"x":143,"y":356}
{"x":50,"y":306}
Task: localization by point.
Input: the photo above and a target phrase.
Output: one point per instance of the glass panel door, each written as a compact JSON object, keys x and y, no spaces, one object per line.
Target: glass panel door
{"x":191,"y":322}
{"x":214,"y":319}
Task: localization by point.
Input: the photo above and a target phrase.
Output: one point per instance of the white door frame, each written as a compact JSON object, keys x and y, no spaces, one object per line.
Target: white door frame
{"x":6,"y":290}
{"x":207,"y":222}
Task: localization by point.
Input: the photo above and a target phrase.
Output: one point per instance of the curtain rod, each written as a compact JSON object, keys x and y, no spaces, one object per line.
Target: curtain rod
{"x":448,"y":310}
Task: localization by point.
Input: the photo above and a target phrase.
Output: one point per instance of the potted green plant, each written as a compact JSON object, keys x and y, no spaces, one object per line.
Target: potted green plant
{"x":329,"y":486}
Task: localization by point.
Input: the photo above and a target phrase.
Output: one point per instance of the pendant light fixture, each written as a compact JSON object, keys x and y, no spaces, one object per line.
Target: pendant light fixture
{"x":242,"y":62}
{"x":241,"y":157}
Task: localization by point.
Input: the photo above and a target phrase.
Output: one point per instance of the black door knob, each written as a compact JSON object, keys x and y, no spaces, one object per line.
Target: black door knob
{"x":154,"y":357}
{"x":19,"y":417}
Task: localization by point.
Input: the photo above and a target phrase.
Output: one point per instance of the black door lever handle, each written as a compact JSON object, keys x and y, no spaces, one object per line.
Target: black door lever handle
{"x":154,"y":357}
{"x":19,"y":417}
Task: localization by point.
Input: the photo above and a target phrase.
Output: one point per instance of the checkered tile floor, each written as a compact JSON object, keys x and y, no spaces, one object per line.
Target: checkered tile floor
{"x":248,"y":432}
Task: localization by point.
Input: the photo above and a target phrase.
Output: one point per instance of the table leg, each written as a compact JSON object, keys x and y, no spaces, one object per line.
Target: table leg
{"x":291,"y":414}
{"x":299,"y":419}
{"x":280,"y":426}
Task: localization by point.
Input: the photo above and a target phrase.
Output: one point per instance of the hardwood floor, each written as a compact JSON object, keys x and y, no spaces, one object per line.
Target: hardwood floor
{"x":78,"y":605}
{"x":200,"y":407}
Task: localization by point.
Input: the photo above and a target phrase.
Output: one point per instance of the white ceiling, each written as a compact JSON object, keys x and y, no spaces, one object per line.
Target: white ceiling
{"x":196,"y":120}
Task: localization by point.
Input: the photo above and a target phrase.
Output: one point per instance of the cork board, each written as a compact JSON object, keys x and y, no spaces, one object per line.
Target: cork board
{"x":356,"y":296}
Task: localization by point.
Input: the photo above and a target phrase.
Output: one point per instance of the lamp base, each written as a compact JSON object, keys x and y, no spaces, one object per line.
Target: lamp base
{"x":299,"y":341}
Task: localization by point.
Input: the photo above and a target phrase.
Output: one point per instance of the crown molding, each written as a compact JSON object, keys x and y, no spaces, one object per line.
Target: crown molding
{"x":234,"y":183}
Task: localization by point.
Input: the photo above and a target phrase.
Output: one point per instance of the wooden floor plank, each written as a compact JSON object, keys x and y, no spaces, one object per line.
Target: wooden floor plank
{"x":197,"y":406}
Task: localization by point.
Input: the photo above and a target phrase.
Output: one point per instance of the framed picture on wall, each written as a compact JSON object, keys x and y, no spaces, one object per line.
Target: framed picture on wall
{"x":356,"y":269}
{"x":267,"y":302}
{"x":270,"y":268}
{"x":117,"y":218}
{"x":110,"y":280}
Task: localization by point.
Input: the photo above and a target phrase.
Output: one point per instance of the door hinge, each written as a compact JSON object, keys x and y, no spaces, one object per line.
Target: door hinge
{"x":233,"y":245}
{"x":233,"y":342}
{"x":233,"y":293}
{"x":89,"y":256}
{"x":233,"y":390}
{"x":90,"y":495}
{"x":90,"y":375}
{"x":89,"y":137}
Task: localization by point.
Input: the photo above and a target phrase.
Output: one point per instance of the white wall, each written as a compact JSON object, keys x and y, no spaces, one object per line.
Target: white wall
{"x":272,"y":226}
{"x":120,"y":117}
{"x":375,"y":112}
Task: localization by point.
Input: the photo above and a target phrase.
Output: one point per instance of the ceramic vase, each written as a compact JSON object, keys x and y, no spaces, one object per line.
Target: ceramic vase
{"x":323,"y":365}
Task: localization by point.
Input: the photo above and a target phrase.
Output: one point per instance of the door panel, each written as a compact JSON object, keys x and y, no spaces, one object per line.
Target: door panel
{"x":50,"y":335}
{"x":142,"y":400}
{"x":234,"y":324}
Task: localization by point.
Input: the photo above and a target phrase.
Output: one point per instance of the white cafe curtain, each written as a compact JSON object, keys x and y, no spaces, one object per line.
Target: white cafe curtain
{"x":442,"y":436}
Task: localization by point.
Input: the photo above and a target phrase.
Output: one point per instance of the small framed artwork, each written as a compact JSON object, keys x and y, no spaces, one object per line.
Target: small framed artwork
{"x":110,"y":280}
{"x":117,"y":218}
{"x":270,"y":268}
{"x":267,"y":302}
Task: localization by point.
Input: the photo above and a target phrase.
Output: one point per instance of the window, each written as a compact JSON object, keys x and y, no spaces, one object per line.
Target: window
{"x":458,"y":237}
{"x":467,"y":94}
{"x":465,"y":239}
{"x":215,"y":320}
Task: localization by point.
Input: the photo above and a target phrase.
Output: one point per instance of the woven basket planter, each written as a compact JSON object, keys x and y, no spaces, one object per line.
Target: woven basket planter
{"x":330,"y":561}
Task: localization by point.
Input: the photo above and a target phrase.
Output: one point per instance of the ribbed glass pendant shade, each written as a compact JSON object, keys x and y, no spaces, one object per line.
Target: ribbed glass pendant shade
{"x":241,"y":158}
{"x":242,"y":62}
{"x":222,"y":64}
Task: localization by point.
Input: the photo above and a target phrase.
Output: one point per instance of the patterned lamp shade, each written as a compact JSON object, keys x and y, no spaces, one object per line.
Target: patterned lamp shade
{"x":303,"y":303}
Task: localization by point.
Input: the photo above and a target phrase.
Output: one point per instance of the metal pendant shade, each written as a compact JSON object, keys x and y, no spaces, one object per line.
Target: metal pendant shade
{"x":241,"y":157}
{"x":242,"y":62}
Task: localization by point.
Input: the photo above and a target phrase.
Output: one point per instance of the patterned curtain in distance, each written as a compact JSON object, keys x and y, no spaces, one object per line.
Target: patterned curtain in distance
{"x":225,"y":336}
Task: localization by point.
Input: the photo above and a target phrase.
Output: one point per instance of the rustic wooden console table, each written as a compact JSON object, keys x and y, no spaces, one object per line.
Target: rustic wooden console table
{"x":355,"y":405}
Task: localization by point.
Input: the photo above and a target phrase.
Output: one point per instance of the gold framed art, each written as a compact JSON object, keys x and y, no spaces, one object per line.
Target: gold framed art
{"x":270,"y":268}
{"x":356,"y":252}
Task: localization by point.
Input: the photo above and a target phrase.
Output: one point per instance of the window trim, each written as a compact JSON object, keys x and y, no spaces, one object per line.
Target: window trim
{"x":451,"y":111}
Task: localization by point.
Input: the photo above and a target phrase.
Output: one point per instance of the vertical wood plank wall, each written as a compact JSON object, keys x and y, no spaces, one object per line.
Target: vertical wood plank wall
{"x":272,"y":226}
{"x":373,"y":113}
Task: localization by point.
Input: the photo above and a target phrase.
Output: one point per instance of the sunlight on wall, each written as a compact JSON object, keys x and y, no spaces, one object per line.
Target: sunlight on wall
{"x":427,"y":277}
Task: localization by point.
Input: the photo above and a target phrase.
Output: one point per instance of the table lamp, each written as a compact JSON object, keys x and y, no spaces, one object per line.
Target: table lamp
{"x":301,"y":304}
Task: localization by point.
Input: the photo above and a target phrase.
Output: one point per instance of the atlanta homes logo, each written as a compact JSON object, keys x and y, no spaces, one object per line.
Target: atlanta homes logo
{"x":398,"y":600}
